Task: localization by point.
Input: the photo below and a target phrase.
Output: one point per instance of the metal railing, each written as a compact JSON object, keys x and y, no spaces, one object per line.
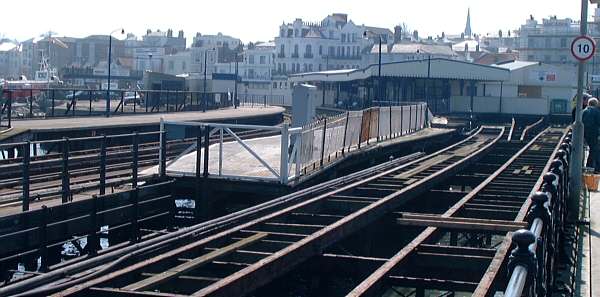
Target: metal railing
{"x":51,"y":103}
{"x":533,"y":262}
{"x":300,"y":151}
{"x":70,"y":166}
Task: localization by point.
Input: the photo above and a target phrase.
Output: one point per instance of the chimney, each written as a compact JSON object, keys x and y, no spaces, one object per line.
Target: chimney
{"x":148,"y":32}
{"x":180,"y":35}
{"x":397,"y":34}
{"x":169,"y":33}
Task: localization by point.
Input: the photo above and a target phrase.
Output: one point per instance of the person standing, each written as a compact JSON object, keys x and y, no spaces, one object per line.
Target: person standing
{"x":591,"y":126}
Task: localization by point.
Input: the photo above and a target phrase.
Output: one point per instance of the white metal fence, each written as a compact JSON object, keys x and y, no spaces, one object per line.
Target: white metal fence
{"x":290,"y":152}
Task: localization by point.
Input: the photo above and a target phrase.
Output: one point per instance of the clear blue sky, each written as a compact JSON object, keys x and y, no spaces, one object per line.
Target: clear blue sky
{"x":259,"y":19}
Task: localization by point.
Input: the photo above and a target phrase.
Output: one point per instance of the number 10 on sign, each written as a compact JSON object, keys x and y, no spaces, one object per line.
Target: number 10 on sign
{"x":583,"y":48}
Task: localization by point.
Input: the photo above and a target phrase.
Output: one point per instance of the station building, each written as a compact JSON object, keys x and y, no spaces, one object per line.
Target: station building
{"x":449,"y":86}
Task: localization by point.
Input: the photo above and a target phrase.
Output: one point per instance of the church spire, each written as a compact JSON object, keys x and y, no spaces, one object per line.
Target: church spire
{"x":468,"y":32}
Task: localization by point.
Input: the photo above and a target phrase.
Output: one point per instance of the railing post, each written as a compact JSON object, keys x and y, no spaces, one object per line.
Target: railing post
{"x":9,"y":109}
{"x":122,"y":100}
{"x":90,"y":99}
{"x":146,"y":99}
{"x":345,"y":132}
{"x":541,"y":211}
{"x":323,"y":141}
{"x":93,"y":241}
{"x":162,"y":154}
{"x":401,"y":120}
{"x":66,"y":184}
{"x":285,"y":137}
{"x":390,"y":132}
{"x":135,"y":229}
{"x":409,"y":119}
{"x":53,"y":103}
{"x":220,"y":151}
{"x":43,"y":250}
{"x":134,"y":101}
{"x":206,"y":149}
{"x":26,"y":160}
{"x":135,"y":161}
{"x":103,"y":165}
{"x":31,"y":103}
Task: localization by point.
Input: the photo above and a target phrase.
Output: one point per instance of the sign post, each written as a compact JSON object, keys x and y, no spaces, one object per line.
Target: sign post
{"x":583,"y":49}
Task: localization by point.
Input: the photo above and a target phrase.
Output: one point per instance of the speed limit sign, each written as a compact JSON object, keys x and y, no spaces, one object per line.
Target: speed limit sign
{"x":583,"y":48}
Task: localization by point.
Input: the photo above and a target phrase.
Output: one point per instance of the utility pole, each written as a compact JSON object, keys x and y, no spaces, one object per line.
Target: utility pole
{"x":577,"y":157}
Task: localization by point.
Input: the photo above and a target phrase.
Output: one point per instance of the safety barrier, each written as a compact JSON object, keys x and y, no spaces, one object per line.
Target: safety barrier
{"x":532,"y":263}
{"x":49,"y":103}
{"x":288,"y":153}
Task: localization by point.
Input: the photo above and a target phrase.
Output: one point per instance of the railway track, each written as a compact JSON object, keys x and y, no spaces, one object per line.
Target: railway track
{"x":466,"y":232}
{"x":317,"y":221}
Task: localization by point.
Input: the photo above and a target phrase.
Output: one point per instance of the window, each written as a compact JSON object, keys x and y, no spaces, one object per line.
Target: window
{"x":531,"y":42}
{"x":348,"y":51}
{"x":530,"y":91}
{"x":548,"y":43}
{"x":296,"y":33}
{"x":183,"y":66}
{"x":310,"y":67}
{"x":343,"y":37}
{"x":308,"y":49}
{"x":251,"y":59}
{"x":263,"y":60}
{"x":563,"y":42}
{"x":274,"y":85}
{"x":547,"y":58}
{"x":293,"y":67}
{"x":171,"y":65}
{"x":530,"y":58}
{"x":320,"y":50}
{"x":343,"y":51}
{"x":295,"y":51}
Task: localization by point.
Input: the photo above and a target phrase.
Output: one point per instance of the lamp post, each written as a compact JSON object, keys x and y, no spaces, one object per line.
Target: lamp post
{"x":235,"y":96}
{"x":109,"y":62}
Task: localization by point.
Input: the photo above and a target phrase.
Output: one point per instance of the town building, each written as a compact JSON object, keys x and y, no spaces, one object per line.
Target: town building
{"x":10,"y":59}
{"x":549,"y":41}
{"x":216,"y":41}
{"x":334,"y":43}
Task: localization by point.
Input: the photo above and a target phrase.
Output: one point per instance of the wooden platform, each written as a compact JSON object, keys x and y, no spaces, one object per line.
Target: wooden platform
{"x":239,"y":162}
{"x":76,"y":123}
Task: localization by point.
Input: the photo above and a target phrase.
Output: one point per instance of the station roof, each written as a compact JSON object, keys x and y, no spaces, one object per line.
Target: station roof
{"x":440,"y":68}
{"x":516,"y":65}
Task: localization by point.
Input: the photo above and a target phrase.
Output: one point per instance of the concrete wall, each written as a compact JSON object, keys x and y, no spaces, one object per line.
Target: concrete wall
{"x":510,"y":105}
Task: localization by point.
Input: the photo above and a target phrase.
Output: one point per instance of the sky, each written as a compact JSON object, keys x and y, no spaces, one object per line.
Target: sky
{"x":259,"y":20}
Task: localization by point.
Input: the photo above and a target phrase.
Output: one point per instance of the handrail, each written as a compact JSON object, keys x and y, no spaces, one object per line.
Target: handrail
{"x":531,"y":262}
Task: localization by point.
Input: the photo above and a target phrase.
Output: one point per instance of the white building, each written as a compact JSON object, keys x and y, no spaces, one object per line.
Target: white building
{"x":334,"y":43}
{"x":216,"y":41}
{"x":550,"y":40}
{"x":10,"y":59}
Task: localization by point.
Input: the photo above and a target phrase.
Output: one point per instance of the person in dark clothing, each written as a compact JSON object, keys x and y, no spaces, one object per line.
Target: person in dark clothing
{"x":591,"y":125}
{"x":584,"y":104}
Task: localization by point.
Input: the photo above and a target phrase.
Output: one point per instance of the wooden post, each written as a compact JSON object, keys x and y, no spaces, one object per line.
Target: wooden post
{"x":162,"y":155}
{"x":93,"y":241}
{"x":345,"y":132}
{"x":43,"y":250}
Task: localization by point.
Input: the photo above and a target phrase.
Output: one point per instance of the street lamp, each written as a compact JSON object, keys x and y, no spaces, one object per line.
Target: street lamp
{"x":379,"y":69}
{"x":109,"y":61}
{"x":235,"y":97}
{"x":204,"y":85}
